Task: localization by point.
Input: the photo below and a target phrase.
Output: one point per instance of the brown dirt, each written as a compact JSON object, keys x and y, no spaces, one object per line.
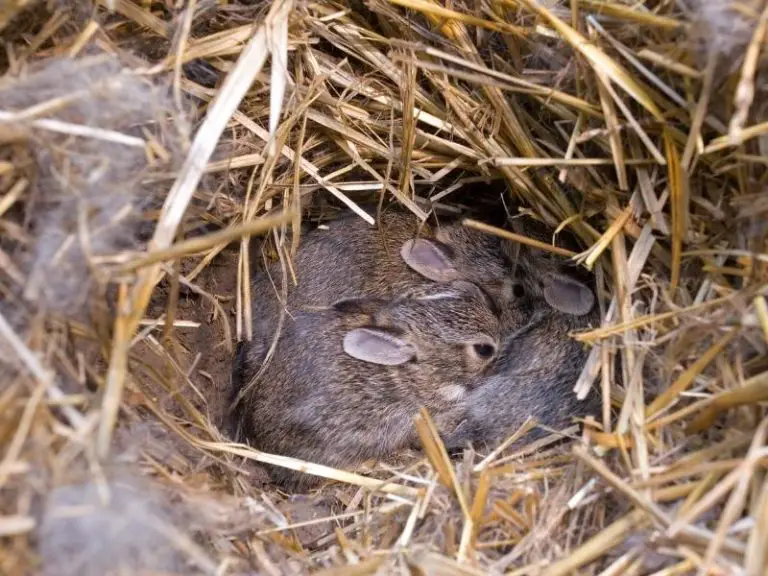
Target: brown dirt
{"x":204,"y":349}
{"x":201,"y":352}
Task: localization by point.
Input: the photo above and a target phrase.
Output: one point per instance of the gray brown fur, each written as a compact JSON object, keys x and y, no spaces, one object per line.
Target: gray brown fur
{"x":317,"y":403}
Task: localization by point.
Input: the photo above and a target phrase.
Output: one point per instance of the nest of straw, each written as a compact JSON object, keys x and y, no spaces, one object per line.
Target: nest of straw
{"x":143,"y":143}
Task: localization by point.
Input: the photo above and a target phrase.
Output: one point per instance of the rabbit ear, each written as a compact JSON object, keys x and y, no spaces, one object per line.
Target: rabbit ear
{"x":361,"y":305}
{"x":377,"y":346}
{"x":568,"y":295}
{"x":430,"y":258}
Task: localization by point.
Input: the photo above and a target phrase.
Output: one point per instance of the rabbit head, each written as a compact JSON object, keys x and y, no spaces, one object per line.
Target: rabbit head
{"x":452,"y":329}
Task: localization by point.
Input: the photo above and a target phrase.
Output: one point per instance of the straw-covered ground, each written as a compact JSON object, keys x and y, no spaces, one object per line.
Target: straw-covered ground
{"x":142,"y":143}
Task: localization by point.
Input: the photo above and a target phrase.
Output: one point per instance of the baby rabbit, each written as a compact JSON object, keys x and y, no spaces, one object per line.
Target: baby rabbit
{"x":346,"y":382}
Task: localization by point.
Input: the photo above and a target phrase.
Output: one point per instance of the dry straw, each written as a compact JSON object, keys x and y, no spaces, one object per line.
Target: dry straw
{"x":142,"y":144}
